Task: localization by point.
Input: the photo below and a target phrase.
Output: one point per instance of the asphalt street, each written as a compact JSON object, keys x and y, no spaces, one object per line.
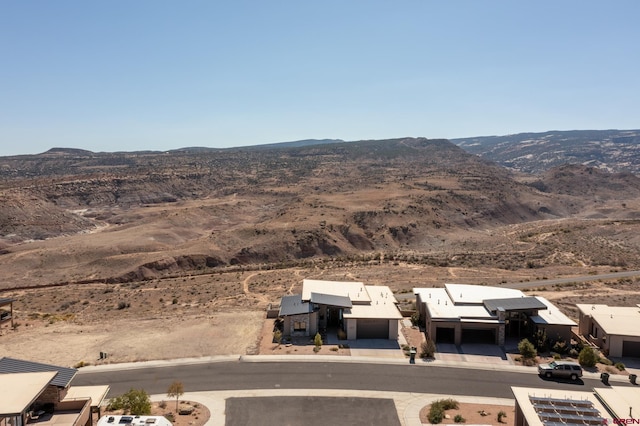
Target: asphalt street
{"x":239,"y":375}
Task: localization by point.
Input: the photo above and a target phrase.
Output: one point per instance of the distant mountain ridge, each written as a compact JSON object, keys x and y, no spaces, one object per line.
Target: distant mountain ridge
{"x":612,"y":150}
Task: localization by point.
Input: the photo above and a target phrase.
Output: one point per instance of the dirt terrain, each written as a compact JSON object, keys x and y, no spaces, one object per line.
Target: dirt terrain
{"x":116,"y":253}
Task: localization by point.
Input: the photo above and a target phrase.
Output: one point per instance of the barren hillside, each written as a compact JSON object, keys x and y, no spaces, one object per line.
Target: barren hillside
{"x":75,"y":216}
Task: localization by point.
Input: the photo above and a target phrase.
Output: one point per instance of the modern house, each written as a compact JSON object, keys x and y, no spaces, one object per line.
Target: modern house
{"x":361,"y":311}
{"x":543,"y":407}
{"x":463,"y":313}
{"x":615,"y":330}
{"x":32,"y":392}
{"x":6,"y":311}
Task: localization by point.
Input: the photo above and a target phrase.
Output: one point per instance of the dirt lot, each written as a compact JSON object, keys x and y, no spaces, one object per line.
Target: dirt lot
{"x":68,"y":343}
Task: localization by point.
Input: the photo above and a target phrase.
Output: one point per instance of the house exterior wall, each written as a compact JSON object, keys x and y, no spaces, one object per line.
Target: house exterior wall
{"x":351,"y":325}
{"x":393,"y":329}
{"x":290,"y":322}
{"x":557,"y":332}
{"x":616,"y":344}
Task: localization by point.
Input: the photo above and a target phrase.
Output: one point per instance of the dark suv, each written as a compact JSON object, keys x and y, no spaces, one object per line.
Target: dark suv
{"x":564,"y":369}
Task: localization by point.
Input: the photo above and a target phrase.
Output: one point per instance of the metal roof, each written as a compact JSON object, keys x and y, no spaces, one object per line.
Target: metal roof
{"x":293,"y":305}
{"x":514,"y":304}
{"x":5,"y":301}
{"x":331,"y":300}
{"x":62,"y":378}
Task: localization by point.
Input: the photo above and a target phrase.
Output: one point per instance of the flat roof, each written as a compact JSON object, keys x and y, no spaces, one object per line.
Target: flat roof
{"x":441,"y":307}
{"x":552,"y":315}
{"x":477,"y":294}
{"x":293,"y":305}
{"x":383,"y":305}
{"x":615,"y":320}
{"x":62,"y":379}
{"x":96,"y":393}
{"x":355,"y":291}
{"x":610,"y":403}
{"x":19,"y":390}
{"x":618,"y":400}
{"x":5,"y":301}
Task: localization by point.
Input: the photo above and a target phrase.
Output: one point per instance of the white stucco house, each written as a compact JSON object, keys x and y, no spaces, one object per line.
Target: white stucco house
{"x":463,"y":313}
{"x":361,"y":311}
{"x":615,"y":330}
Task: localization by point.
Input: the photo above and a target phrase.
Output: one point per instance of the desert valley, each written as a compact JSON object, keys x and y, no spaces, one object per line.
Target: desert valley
{"x":114,"y":252}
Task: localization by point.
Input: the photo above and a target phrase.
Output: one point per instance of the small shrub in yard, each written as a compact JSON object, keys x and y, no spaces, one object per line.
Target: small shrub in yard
{"x":317,"y":340}
{"x":277,"y":336}
{"x":588,"y":357}
{"x":437,"y":409}
{"x":427,"y":349}
{"x":459,"y":419}
{"x":605,"y":361}
{"x":620,"y":366}
{"x":501,"y":416}
{"x":162,"y":404}
{"x":557,"y":356}
{"x":526,"y":349}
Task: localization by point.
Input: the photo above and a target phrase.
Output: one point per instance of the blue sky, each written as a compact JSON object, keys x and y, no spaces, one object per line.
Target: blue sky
{"x":157,"y":75}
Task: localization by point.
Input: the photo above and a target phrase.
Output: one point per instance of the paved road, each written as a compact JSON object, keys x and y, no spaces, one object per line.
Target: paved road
{"x":581,"y":278}
{"x":331,"y":375}
{"x":548,"y":283}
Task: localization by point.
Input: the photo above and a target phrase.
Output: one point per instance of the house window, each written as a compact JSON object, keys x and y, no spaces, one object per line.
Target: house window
{"x":299,"y":325}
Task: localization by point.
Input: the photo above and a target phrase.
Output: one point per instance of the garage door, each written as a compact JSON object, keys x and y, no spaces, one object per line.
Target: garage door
{"x":373,"y":329}
{"x":445,"y":335}
{"x":479,"y":335}
{"x":631,"y":349}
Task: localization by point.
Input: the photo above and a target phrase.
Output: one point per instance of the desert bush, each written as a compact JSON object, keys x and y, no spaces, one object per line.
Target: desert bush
{"x":557,"y":357}
{"x":317,"y":340}
{"x":277,"y":336}
{"x":459,"y":419}
{"x":427,"y":349}
{"x":587,"y":357}
{"x":162,"y":404}
{"x":526,"y":349}
{"x":605,"y":361}
{"x":620,"y":366}
{"x":540,"y":341}
{"x":560,"y":346}
{"x":415,"y":319}
{"x":437,"y":409}
{"x":436,"y":414}
{"x":501,"y":416}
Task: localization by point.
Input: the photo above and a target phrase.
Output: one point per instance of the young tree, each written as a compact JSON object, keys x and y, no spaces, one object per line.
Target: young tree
{"x":175,"y":389}
{"x":317,"y":340}
{"x":135,"y":402}
{"x":588,"y":357}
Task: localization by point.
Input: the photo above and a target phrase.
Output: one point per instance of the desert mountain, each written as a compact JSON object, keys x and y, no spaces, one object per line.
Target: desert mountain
{"x":611,"y":150}
{"x":77,"y":216}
